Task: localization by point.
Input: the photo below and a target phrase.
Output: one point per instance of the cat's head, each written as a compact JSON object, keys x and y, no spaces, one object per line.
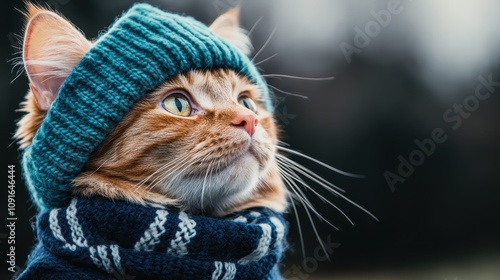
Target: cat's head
{"x":204,"y":140}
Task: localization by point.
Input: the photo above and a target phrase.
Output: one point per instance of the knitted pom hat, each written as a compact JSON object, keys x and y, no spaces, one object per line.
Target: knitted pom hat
{"x":142,"y":49}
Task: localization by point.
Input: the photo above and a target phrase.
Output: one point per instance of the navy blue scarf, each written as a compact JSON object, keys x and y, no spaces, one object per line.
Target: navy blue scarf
{"x":102,"y":239}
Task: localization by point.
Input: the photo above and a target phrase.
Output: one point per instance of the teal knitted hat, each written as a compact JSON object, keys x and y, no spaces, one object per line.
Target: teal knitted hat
{"x":142,"y":49}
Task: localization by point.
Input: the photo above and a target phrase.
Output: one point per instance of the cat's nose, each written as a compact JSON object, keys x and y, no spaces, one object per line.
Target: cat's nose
{"x":247,"y":121}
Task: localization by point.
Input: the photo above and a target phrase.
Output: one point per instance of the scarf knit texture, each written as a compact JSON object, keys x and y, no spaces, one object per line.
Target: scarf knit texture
{"x":143,"y":48}
{"x":103,"y":239}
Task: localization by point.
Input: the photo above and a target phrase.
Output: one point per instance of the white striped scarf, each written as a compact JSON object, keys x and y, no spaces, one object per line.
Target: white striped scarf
{"x":103,"y":238}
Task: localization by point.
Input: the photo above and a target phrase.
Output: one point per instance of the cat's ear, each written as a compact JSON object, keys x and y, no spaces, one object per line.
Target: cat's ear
{"x":227,"y":26}
{"x":52,"y":47}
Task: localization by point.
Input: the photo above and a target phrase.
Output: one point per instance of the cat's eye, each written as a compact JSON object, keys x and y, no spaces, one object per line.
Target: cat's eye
{"x":177,"y":104}
{"x":248,"y":103}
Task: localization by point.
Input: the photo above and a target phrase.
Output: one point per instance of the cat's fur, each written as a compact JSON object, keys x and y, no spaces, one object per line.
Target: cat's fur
{"x":205,"y":163}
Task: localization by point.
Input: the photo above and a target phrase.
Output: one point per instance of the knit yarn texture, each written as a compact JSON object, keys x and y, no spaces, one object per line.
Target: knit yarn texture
{"x":142,"y":49}
{"x":102,"y":239}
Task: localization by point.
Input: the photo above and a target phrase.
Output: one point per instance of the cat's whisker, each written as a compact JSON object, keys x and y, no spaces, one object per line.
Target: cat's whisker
{"x":11,"y":143}
{"x":18,"y":63}
{"x":294,"y":176}
{"x":187,"y":164}
{"x":100,"y":166}
{"x":283,"y":144}
{"x":159,"y":170}
{"x":172,"y":169}
{"x":265,"y":44}
{"x":331,"y":190}
{"x":319,"y":162}
{"x":287,"y":92}
{"x":317,"y":234}
{"x":209,"y":171}
{"x":299,"y":180}
{"x":298,"y":224}
{"x":212,"y":169}
{"x":298,"y":220}
{"x":355,"y":204}
{"x":277,"y":76}
{"x":305,"y":200}
{"x":293,"y":187}
{"x":266,"y":59}
{"x":254,"y":26}
{"x":309,"y":174}
{"x":300,"y":198}
{"x":184,"y":165}
{"x":176,"y":170}
{"x":18,"y":74}
{"x":202,"y":206}
{"x":306,"y":208}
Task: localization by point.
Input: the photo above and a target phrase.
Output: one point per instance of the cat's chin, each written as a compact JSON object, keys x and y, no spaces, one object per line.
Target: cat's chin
{"x":222,"y":190}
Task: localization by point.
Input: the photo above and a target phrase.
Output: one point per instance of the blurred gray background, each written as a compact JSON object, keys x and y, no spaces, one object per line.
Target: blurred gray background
{"x":402,"y":69}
